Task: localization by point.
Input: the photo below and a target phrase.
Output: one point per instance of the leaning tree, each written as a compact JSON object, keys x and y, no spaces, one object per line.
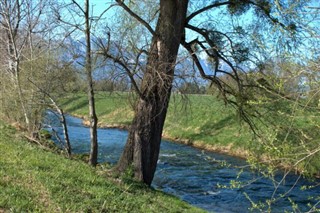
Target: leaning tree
{"x":227,"y":34}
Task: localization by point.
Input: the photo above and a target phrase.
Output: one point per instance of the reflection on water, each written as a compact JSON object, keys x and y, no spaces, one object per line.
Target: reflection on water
{"x":194,"y":175}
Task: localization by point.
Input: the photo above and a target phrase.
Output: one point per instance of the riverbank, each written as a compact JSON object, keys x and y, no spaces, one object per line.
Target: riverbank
{"x":199,"y":121}
{"x":193,"y":175}
{"x":205,"y":122}
{"x":228,"y":150}
{"x":33,"y":179}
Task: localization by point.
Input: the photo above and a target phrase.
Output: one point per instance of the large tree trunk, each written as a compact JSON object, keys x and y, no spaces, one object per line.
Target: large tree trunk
{"x":143,"y":144}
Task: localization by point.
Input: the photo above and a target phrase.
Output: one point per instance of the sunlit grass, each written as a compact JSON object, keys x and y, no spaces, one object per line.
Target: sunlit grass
{"x":35,"y":180}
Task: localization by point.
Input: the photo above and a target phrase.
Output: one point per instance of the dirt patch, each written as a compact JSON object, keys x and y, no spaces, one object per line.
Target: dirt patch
{"x":107,"y":126}
{"x":228,"y":150}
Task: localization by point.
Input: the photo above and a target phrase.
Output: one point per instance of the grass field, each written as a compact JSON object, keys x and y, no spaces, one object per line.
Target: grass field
{"x":35,"y":180}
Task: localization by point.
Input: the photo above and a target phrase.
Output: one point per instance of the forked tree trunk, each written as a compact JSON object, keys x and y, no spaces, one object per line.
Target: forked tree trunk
{"x":143,"y":144}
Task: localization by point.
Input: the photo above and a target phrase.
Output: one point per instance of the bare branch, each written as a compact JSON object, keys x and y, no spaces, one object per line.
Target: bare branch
{"x":80,"y":8}
{"x":128,"y":71}
{"x":62,"y":117}
{"x":143,"y":22}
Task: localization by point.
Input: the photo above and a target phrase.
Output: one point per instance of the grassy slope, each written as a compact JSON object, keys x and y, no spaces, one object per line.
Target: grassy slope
{"x":201,"y":120}
{"x":35,"y":180}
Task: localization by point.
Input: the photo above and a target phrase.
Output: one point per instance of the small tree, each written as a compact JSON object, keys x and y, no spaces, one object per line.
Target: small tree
{"x":82,"y":15}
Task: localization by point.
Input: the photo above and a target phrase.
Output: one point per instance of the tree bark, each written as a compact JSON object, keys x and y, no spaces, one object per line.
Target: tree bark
{"x":93,"y":159}
{"x":65,"y":129}
{"x":14,"y":66}
{"x":143,"y":144}
{"x":20,"y":93}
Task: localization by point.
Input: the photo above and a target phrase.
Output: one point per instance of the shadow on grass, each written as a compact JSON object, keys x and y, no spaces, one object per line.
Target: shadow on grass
{"x":68,"y":101}
{"x":210,"y":129}
{"x":74,"y":103}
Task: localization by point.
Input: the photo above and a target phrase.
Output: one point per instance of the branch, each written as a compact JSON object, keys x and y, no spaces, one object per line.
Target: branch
{"x":117,"y":60}
{"x":274,"y":20}
{"x":194,"y":14}
{"x":16,"y":27}
{"x":223,"y":87}
{"x":128,"y":71}
{"x":188,"y":47}
{"x":62,"y":119}
{"x":243,"y":114}
{"x":143,"y":22}
{"x":76,"y":26}
{"x":74,"y":2}
{"x":102,"y":13}
{"x":204,"y":33}
{"x":36,"y":141}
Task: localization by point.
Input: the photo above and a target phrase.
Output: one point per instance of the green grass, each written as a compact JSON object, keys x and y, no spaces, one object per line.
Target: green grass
{"x":204,"y":119}
{"x":35,"y":180}
{"x":111,"y":108}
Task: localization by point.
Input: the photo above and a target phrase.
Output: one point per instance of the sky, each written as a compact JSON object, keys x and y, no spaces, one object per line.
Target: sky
{"x":99,"y":6}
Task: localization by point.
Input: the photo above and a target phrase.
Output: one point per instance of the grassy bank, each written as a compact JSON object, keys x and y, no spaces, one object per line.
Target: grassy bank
{"x":202,"y":121}
{"x":35,"y":180}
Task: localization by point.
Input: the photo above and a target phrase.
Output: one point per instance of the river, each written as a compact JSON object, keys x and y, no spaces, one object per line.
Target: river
{"x":199,"y":177}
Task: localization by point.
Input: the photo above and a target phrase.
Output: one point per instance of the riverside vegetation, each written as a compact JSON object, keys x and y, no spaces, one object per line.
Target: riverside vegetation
{"x":199,"y":120}
{"x":206,"y":122}
{"x":36,"y":180}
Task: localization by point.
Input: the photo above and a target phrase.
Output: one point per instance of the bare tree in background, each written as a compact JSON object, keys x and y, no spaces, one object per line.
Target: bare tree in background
{"x":25,"y":30}
{"x":19,"y":20}
{"x":83,"y":13}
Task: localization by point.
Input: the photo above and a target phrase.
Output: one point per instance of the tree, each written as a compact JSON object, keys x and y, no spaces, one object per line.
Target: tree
{"x":228,"y":51}
{"x":142,"y":148}
{"x":80,"y":20}
{"x":93,"y":159}
{"x":26,"y":55}
{"x":19,"y":20}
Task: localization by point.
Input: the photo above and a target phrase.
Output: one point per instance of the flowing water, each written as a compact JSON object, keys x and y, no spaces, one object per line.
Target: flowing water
{"x":196,"y":176}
